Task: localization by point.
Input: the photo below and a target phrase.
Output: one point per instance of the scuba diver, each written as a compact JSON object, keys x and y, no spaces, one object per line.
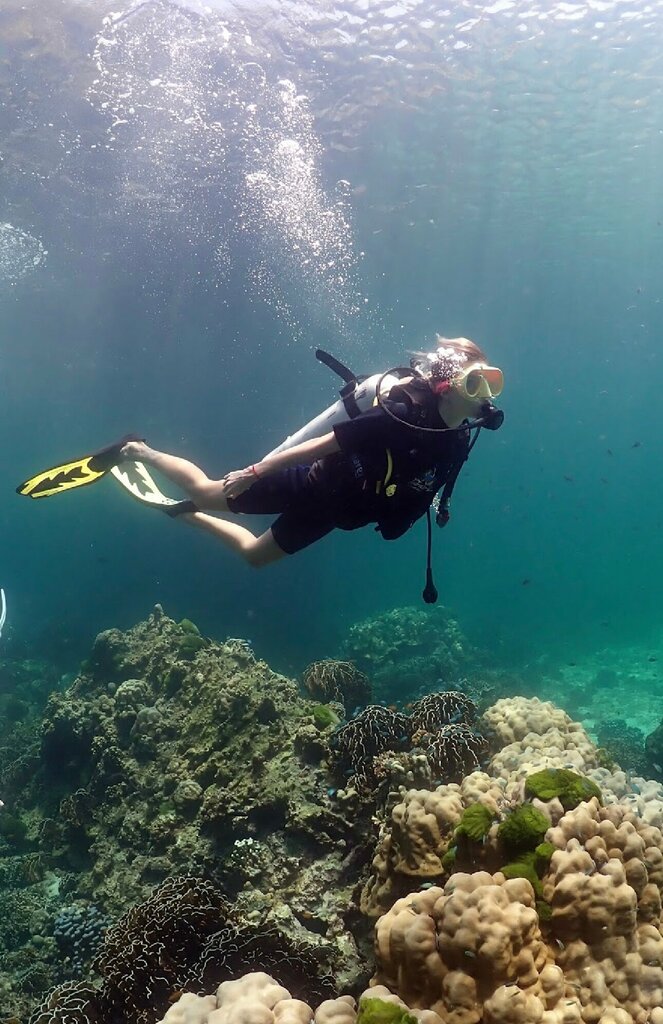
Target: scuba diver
{"x":379,"y":456}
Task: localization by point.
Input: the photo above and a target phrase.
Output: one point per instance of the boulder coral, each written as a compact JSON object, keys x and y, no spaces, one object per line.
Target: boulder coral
{"x":257,"y":998}
{"x":458,"y":949}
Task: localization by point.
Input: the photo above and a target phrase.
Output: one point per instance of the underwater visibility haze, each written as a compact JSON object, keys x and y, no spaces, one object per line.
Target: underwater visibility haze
{"x":195,"y":197}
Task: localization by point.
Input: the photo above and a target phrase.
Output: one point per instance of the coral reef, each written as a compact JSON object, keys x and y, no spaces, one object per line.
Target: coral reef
{"x":435,"y":710}
{"x":529,"y":734}
{"x":257,"y":997}
{"x":435,"y":731}
{"x":79,"y":932}
{"x":373,"y":731}
{"x":569,"y":930}
{"x":183,"y":938}
{"x":156,"y":762}
{"x":451,"y":948}
{"x":513,"y":872}
{"x":337,"y":681}
{"x":654,"y":751}
{"x":461,"y":945}
{"x":623,"y":743}
{"x":409,"y":650}
{"x":454,"y":751}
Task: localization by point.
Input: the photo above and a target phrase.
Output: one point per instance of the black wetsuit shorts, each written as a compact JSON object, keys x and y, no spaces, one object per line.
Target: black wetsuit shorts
{"x":304,"y":517}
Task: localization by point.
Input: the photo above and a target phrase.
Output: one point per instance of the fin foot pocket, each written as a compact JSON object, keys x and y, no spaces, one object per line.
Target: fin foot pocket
{"x":180,"y":508}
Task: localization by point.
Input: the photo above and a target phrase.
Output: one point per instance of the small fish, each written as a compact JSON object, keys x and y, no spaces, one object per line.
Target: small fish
{"x":652,"y":657}
{"x":569,"y":479}
{"x":609,"y":451}
{"x":526,"y":582}
{"x":572,"y":663}
{"x":637,"y":444}
{"x":603,"y":480}
{"x":656,"y":767}
{"x":331,"y":791}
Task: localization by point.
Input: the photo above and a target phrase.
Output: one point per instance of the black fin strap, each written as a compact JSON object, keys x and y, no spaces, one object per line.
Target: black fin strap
{"x":180,"y":508}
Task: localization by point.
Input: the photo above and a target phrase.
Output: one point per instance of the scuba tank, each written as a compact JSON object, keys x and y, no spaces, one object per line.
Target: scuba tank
{"x":357,"y":395}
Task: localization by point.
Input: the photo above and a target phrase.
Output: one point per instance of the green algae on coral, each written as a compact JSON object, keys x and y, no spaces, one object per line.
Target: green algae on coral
{"x":187,"y":626}
{"x":523,"y":830}
{"x":324,"y":716}
{"x":570,"y":788}
{"x":449,"y":860}
{"x":544,"y":910}
{"x":475,"y":822}
{"x":524,"y":869}
{"x":542,"y":855}
{"x":380,"y":1011}
{"x":190,"y":645}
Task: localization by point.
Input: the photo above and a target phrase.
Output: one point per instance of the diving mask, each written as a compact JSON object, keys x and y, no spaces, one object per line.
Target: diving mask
{"x":479,"y":381}
{"x":447,"y":368}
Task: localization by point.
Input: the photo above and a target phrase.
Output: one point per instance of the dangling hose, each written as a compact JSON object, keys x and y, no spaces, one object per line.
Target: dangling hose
{"x":430,"y":590}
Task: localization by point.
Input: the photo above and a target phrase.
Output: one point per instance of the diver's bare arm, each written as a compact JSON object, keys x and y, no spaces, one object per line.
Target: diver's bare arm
{"x":303,"y":454}
{"x":299,"y":455}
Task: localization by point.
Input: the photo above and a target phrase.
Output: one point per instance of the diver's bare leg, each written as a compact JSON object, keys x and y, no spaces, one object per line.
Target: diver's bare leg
{"x":257,"y":551}
{"x":197,"y":485}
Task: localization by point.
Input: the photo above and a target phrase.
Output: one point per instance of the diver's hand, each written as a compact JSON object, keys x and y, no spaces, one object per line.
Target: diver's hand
{"x":238,"y":481}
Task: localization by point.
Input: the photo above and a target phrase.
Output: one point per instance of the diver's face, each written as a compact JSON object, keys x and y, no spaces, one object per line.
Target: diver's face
{"x":454,"y":407}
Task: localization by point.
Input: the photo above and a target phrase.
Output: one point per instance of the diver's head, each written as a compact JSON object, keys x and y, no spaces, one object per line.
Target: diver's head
{"x":458,"y":372}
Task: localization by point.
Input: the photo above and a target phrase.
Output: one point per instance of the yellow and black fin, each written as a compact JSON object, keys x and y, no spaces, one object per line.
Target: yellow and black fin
{"x":75,"y":473}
